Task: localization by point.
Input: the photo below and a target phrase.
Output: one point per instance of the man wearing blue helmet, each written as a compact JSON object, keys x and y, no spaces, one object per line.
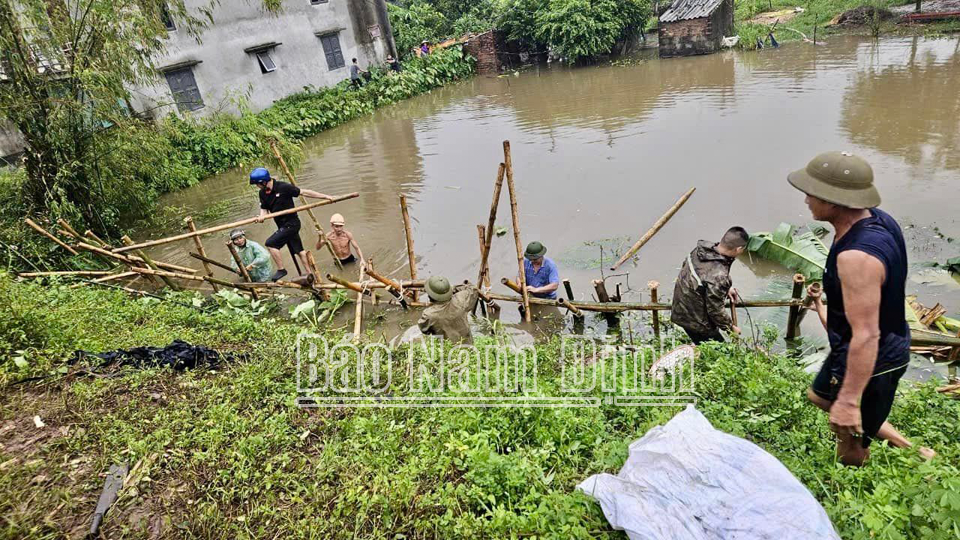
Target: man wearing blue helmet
{"x":277,"y":196}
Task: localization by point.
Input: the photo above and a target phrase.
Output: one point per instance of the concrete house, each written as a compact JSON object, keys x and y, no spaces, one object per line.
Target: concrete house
{"x":262,"y":57}
{"x":695,"y":27}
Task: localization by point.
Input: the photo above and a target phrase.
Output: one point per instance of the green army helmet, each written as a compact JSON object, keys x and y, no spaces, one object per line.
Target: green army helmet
{"x":839,"y":178}
{"x":438,"y":289}
{"x":535,"y":250}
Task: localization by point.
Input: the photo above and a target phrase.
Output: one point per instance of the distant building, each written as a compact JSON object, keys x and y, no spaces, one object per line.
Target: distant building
{"x":695,"y":27}
{"x":262,"y":57}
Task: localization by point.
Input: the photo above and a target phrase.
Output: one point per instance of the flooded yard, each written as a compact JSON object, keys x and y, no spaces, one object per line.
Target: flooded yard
{"x":601,"y":152}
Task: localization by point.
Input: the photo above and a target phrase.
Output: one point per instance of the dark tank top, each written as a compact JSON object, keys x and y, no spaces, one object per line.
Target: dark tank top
{"x":879,"y":236}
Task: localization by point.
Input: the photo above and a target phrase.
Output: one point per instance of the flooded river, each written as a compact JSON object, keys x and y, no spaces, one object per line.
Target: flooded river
{"x":601,"y":152}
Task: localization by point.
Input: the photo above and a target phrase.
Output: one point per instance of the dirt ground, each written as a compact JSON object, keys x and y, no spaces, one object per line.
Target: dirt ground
{"x":929,"y":6}
{"x":771,"y":17}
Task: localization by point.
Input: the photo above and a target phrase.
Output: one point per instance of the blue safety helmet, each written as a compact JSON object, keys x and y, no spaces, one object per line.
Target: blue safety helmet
{"x":259,"y":176}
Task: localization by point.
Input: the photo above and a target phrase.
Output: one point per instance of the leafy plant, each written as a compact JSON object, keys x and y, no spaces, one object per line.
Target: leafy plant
{"x":233,"y":303}
{"x":804,"y":253}
{"x":319,"y":314}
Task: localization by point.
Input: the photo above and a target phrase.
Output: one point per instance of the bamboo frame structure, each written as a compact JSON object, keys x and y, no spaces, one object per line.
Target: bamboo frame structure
{"x":392,"y":286}
{"x":63,"y":223}
{"x":216,"y":263}
{"x":225,"y":226}
{"x":316,"y":223}
{"x":358,"y":313}
{"x":408,"y":234}
{"x":132,"y":259}
{"x":484,"y":276}
{"x":654,"y":297}
{"x":571,"y":307}
{"x":96,"y":239}
{"x":188,"y":222}
{"x":50,"y":236}
{"x":150,"y":264}
{"x":654,"y":229}
{"x":511,"y":190}
{"x":65,"y":273}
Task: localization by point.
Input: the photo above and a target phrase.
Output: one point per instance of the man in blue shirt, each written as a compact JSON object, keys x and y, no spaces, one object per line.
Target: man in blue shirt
{"x":541,"y":273}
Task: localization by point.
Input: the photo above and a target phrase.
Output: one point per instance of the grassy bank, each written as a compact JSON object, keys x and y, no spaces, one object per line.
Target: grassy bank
{"x":818,"y":13}
{"x":227,"y":454}
{"x":143,"y":160}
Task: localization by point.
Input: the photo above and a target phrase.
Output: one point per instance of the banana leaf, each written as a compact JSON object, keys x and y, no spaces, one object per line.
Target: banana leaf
{"x":804,"y":253}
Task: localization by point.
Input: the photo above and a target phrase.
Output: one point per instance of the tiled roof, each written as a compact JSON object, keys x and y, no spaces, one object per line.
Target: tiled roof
{"x":682,"y":10}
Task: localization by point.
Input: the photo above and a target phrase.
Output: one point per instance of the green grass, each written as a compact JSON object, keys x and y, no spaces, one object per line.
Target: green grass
{"x":818,"y":13}
{"x":228,"y":454}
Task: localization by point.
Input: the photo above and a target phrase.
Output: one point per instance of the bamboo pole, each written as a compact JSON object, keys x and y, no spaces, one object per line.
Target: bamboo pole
{"x":392,"y":286}
{"x":65,"y":273}
{"x":793,"y":329}
{"x":63,"y":223}
{"x":240,"y":266}
{"x":189,"y":277}
{"x":330,"y":286}
{"x":44,"y":232}
{"x":511,"y":190}
{"x":512,"y":285}
{"x":216,"y":263}
{"x":96,"y":239}
{"x":225,"y":226}
{"x":113,"y":277}
{"x":358,"y":313}
{"x":150,"y":264}
{"x":484,"y":276}
{"x":358,"y":287}
{"x":573,"y":309}
{"x":411,"y":258}
{"x":317,"y":279}
{"x":316,"y":223}
{"x":654,"y":286}
{"x":133,"y":259}
{"x":188,"y":222}
{"x":601,"y":288}
{"x":568,"y":289}
{"x":655,"y":229}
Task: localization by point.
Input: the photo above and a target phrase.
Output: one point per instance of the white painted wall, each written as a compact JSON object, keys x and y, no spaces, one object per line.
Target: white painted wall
{"x":226,"y":72}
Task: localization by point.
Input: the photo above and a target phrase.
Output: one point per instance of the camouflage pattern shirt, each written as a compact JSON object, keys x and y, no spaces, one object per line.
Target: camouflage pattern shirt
{"x":449,"y":319}
{"x":700,"y":292}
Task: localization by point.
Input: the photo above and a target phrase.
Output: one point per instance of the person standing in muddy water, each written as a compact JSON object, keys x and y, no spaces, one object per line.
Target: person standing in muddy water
{"x":255,"y":258}
{"x":542,"y":276}
{"x":865,"y":279}
{"x":342,"y":241}
{"x":704,"y":285}
{"x":277,"y":196}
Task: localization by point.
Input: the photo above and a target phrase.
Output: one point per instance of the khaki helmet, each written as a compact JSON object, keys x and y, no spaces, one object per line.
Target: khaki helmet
{"x":438,"y":289}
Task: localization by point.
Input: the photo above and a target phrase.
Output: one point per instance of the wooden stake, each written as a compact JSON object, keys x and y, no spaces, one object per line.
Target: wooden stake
{"x":568,"y":289}
{"x":196,"y":241}
{"x":411,"y":259}
{"x":316,"y":223}
{"x":150,"y":264}
{"x":391,"y":285}
{"x":656,"y":228}
{"x":225,"y":226}
{"x":55,"y":240}
{"x":508,"y":165}
{"x":358,"y":314}
{"x":484,"y":276}
{"x":317,"y":279}
{"x":600,"y":287}
{"x":792,"y":327}
{"x":63,"y":223}
{"x":243,"y":269}
{"x":653,"y":286}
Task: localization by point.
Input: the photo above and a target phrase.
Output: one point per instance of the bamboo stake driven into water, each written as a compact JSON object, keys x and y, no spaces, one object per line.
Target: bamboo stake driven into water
{"x":243,"y":269}
{"x":408,"y":234}
{"x":316,"y":223}
{"x":654,"y":286}
{"x":358,"y":313}
{"x":484,"y":276}
{"x":654,"y":229}
{"x":188,"y":222}
{"x":225,"y":226}
{"x":511,"y":189}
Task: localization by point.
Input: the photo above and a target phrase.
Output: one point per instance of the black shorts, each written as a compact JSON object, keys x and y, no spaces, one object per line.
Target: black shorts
{"x":877,"y":399}
{"x":288,"y":235}
{"x":349,"y":259}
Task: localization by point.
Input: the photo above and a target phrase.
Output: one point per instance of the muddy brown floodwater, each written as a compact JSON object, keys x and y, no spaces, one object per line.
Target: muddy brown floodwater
{"x":601,"y":152}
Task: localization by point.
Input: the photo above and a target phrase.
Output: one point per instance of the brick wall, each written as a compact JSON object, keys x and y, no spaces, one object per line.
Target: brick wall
{"x":484,"y":49}
{"x":684,"y":38}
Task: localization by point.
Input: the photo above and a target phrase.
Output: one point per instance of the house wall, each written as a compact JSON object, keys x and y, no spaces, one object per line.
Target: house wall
{"x":225,"y":71}
{"x":484,"y":49}
{"x":684,"y":38}
{"x":721,"y":22}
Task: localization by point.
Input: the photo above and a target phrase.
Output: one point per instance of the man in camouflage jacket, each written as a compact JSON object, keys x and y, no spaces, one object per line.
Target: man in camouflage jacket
{"x":703,"y":287}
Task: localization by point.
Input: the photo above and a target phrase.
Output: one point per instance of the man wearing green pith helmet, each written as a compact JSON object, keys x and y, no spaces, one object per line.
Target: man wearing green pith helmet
{"x":542,"y":276}
{"x":447,"y":314}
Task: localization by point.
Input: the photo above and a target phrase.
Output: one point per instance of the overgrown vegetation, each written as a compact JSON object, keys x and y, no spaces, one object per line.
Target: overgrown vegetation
{"x":573,"y":30}
{"x":228,"y":453}
{"x":140,"y":161}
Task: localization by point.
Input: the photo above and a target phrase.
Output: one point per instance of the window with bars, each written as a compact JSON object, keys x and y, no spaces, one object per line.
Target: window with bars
{"x":266,"y":63}
{"x":184,"y":88}
{"x":331,"y":49}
